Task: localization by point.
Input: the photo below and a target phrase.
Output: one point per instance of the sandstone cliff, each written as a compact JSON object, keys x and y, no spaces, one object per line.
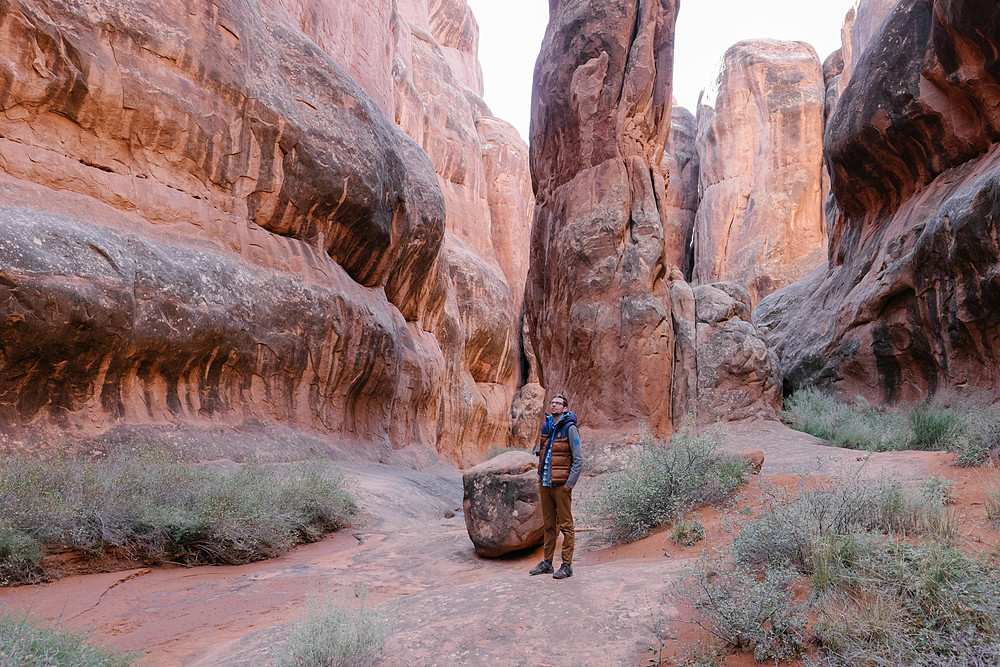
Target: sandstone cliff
{"x":610,"y":319}
{"x":906,"y":304}
{"x":760,"y":219}
{"x":211,"y":220}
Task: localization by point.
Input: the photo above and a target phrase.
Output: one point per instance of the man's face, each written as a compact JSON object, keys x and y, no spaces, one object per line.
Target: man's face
{"x":557,"y":405}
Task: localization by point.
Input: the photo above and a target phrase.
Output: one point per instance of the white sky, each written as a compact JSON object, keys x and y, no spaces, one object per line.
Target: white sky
{"x":510,"y":36}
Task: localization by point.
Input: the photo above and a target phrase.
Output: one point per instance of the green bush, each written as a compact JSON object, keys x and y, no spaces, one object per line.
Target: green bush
{"x":658,"y":484}
{"x":931,"y":428}
{"x":27,"y":644}
{"x":337,"y":633}
{"x":786,"y":532}
{"x":149,"y":507}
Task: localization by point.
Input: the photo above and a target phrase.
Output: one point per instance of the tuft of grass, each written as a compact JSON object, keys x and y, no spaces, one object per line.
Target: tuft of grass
{"x":992,"y":489}
{"x":911,"y":605}
{"x":687,"y":532}
{"x":148,"y":507}
{"x":29,"y":644}
{"x":658,"y":484}
{"x":337,"y":631}
{"x":969,"y":426}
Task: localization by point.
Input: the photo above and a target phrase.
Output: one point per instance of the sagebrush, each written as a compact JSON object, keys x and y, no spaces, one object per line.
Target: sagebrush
{"x":338,"y":631}
{"x":146,"y":506}
{"x":888,"y":584}
{"x":659,"y":483}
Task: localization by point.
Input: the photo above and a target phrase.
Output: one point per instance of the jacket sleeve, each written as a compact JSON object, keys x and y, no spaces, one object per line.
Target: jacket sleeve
{"x":577,"y":452}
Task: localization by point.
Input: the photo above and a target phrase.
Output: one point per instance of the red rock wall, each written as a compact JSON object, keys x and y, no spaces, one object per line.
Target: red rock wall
{"x":161,"y":162}
{"x":597,"y":297}
{"x":906,"y":305}
{"x":609,"y":317}
{"x":760,"y":219}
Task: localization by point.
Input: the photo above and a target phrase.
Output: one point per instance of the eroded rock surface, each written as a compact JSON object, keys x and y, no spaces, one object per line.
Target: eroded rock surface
{"x":682,"y":196}
{"x":162,"y":163}
{"x":503,"y":512}
{"x":905,"y":306}
{"x":597,"y":302}
{"x":760,"y":220}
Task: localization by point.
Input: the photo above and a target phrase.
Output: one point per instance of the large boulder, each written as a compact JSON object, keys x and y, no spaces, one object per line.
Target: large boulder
{"x":503,"y":510}
{"x":760,"y":146}
{"x":906,"y":304}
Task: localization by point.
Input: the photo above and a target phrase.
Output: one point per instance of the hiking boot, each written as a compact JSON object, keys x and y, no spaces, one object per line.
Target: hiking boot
{"x":565,"y":570}
{"x":542,"y":568}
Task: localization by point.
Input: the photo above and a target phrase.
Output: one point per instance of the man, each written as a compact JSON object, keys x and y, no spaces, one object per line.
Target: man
{"x":560,"y":460}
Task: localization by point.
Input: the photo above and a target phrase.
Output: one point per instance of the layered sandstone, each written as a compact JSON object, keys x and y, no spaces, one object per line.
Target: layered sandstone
{"x":161,"y":163}
{"x":760,"y":219}
{"x":904,"y":307}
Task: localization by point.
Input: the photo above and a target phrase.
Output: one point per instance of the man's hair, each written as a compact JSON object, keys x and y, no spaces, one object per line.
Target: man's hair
{"x":563,"y":399}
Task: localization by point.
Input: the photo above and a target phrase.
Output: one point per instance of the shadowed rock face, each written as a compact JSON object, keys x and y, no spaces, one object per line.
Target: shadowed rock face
{"x":907,"y":304}
{"x":207,"y":221}
{"x":681,"y":200}
{"x":760,"y":219}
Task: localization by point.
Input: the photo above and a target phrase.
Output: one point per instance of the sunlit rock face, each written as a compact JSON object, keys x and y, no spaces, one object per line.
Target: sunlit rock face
{"x":760,"y":219}
{"x":906,"y":305}
{"x":212,"y":220}
{"x":612,"y":322}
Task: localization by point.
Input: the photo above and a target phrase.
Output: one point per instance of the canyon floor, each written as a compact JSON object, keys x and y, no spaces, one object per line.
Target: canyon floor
{"x":452,"y":607}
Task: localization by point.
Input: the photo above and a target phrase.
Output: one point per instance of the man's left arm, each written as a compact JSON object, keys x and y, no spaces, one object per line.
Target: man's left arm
{"x":573,"y":433}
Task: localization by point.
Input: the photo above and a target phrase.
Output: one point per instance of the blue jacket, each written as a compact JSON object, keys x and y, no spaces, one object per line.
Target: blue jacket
{"x":563,"y":430}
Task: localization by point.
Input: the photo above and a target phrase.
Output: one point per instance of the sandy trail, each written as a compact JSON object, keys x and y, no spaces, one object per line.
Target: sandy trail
{"x":451,"y":607}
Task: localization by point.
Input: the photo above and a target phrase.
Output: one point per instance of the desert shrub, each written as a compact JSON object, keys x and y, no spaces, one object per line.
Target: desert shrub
{"x":979,"y":436}
{"x":931,"y":427}
{"x":687,"y":532}
{"x":743,"y":609}
{"x":857,"y":426}
{"x":787,"y":531}
{"x":911,"y":605}
{"x":992,"y":503}
{"x":338,"y":632}
{"x":968,"y":425}
{"x":658,"y":484}
{"x":149,"y":507}
{"x":28,"y":644}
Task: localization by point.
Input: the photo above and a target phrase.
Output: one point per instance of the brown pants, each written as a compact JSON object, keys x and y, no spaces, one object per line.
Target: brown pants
{"x":557,"y":513}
